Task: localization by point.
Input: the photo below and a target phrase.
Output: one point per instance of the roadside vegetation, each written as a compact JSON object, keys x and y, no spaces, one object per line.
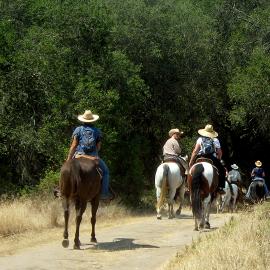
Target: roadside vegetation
{"x":243,"y":243}
{"x":39,"y":213}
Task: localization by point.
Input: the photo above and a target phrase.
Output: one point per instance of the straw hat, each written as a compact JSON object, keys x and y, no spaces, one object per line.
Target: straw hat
{"x":258,"y":163}
{"x":208,"y":131}
{"x":88,"y":117}
{"x":175,"y":130}
{"x":235,"y":167}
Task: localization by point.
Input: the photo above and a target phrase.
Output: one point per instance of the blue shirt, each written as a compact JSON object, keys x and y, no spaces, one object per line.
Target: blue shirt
{"x":258,"y":172}
{"x":78,"y":134}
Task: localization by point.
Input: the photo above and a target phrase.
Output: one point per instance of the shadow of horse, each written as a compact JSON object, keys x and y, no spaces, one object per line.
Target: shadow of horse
{"x":118,"y":244}
{"x":80,"y":182}
{"x":183,"y":216}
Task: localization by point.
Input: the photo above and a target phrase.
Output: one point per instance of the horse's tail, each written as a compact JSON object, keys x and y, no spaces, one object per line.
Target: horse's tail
{"x":163,"y":185}
{"x":69,"y":179}
{"x":196,"y":190}
{"x":75,"y":177}
{"x":259,"y":190}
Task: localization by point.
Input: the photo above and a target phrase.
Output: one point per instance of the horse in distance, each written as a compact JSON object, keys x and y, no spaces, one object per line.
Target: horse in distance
{"x":257,"y":192}
{"x":80,"y":182}
{"x":168,"y":178}
{"x":202,"y":182}
{"x":230,"y":197}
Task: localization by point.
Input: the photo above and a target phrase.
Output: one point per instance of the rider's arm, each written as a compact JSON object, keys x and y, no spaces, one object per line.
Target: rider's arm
{"x":176,"y":148}
{"x":72,"y":148}
{"x":194,"y":154}
{"x":219,"y":153}
{"x":217,"y":148}
{"x":98,"y":145}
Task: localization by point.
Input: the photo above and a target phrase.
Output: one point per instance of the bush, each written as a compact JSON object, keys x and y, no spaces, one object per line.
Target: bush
{"x":50,"y":180}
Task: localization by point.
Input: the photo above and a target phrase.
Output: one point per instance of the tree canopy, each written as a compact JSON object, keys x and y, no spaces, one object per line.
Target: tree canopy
{"x":145,"y":67}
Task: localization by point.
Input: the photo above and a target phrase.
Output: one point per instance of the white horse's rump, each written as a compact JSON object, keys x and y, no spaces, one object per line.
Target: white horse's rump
{"x":168,"y":177}
{"x":229,"y":198}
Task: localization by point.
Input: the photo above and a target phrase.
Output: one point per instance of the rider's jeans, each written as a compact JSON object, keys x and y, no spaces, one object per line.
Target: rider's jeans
{"x":105,"y":177}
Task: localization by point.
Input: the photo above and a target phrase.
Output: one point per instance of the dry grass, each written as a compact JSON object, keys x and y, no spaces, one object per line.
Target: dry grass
{"x":36,"y":214}
{"x":27,"y":222}
{"x":242,"y":244}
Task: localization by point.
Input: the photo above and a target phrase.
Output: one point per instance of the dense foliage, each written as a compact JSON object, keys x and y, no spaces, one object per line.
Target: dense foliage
{"x":144,"y":67}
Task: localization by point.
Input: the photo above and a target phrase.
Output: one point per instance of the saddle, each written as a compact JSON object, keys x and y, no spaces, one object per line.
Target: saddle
{"x":95,"y":159}
{"x":182,"y":169}
{"x":203,"y":159}
{"x":258,"y":179}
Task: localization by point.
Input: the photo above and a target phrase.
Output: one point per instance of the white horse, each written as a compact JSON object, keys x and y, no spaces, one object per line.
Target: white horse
{"x":229,"y":198}
{"x":168,"y":178}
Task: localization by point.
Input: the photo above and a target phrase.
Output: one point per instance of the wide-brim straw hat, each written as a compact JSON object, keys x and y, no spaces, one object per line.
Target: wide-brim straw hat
{"x":234,"y":166}
{"x":175,"y":130}
{"x":88,"y":117}
{"x":208,"y":131}
{"x":258,"y":163}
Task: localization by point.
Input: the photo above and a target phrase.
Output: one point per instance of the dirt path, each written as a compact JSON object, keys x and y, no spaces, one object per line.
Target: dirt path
{"x":145,"y":243}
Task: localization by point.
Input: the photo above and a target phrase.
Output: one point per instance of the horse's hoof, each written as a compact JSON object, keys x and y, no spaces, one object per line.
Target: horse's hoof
{"x":76,"y":246}
{"x":178,"y":212}
{"x":65,"y":243}
{"x":207,"y":225}
{"x":196,"y":229}
{"x":201,"y":226}
{"x":158,"y":216}
{"x":93,"y":240}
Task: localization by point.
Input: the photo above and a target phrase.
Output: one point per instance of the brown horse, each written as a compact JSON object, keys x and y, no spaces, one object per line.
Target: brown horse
{"x":203,"y":182}
{"x":80,"y":182}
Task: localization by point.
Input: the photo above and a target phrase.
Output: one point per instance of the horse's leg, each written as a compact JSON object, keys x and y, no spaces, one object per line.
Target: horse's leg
{"x":65,"y":204}
{"x":170,"y":202}
{"x":233,"y":203}
{"x":196,"y":224}
{"x":94,"y":203}
{"x":170,"y":213}
{"x":218,"y":203}
{"x":235,"y":200}
{"x":80,"y":208}
{"x":223,"y":201}
{"x":158,"y":191}
{"x":206,"y":213}
{"x":181,"y":198}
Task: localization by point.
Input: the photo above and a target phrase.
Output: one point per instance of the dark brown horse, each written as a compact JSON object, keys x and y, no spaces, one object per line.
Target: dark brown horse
{"x":80,"y":182}
{"x":203,"y":182}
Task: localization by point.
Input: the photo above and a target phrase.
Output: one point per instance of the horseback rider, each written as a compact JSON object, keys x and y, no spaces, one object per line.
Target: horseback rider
{"x":86,"y":142}
{"x":172,"y":149}
{"x":208,"y":146}
{"x":258,"y":174}
{"x":234,"y":177}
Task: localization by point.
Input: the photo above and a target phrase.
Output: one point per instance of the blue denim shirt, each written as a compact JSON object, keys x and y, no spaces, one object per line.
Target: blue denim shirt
{"x":78,"y":135}
{"x":258,"y":172}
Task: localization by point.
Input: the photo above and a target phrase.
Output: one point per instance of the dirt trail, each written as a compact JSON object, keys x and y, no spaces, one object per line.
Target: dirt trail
{"x":146,"y":243}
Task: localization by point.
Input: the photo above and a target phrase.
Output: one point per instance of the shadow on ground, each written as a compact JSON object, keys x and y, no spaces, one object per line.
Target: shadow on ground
{"x":117,"y":244}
